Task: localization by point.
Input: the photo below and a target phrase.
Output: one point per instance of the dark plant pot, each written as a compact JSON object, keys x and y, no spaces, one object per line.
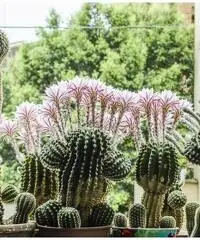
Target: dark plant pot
{"x":144,"y":232}
{"x":18,"y":230}
{"x":44,"y":231}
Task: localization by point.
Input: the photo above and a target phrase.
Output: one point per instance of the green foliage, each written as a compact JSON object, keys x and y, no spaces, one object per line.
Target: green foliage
{"x":10,"y":174}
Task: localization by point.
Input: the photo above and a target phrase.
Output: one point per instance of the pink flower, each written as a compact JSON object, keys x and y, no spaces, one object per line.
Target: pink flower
{"x":49,"y":110}
{"x":27,"y":112}
{"x":57,"y":93}
{"x":146,"y":98}
{"x":8,"y":128}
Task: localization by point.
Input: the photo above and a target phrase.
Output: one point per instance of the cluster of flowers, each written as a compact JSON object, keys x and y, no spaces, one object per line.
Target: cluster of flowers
{"x":85,"y":102}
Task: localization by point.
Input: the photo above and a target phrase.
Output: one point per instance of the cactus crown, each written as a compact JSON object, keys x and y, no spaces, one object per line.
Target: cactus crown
{"x":176,"y":199}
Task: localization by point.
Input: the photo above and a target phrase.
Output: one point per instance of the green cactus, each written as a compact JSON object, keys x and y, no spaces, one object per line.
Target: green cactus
{"x":25,"y":205}
{"x":167,"y":222}
{"x":101,"y":215}
{"x":4,"y":47}
{"x":157,"y":169}
{"x":177,"y":199}
{"x":190,"y":210}
{"x":1,"y":211}
{"x":9,"y":193}
{"x":137,"y":216}
{"x":120,"y":220}
{"x":38,"y":180}
{"x":196,"y":229}
{"x":192,"y":149}
{"x":82,"y":159}
{"x":47,"y":213}
{"x":69,"y":217}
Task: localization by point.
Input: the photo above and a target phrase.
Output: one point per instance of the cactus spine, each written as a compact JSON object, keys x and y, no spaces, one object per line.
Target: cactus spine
{"x":167,"y":222}
{"x":9,"y":193}
{"x":190,"y":210}
{"x":25,"y":205}
{"x":120,"y":220}
{"x":69,"y":217}
{"x":156,"y":171}
{"x":47,"y":213}
{"x":101,"y":215}
{"x":196,"y":229}
{"x":38,"y":180}
{"x":82,"y":159}
{"x":137,"y":216}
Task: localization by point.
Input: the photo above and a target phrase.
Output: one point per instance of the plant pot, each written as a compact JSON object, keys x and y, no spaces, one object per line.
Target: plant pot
{"x":144,"y":232}
{"x":18,"y":230}
{"x":45,"y":231}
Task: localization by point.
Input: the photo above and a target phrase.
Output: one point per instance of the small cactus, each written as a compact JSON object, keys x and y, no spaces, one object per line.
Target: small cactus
{"x":196,"y":229}
{"x":137,"y":216}
{"x":9,"y":193}
{"x":69,"y":217}
{"x":190,"y":210}
{"x":102,"y":215}
{"x":25,"y":205}
{"x":176,"y":199}
{"x":47,"y":213}
{"x":167,"y":222}
{"x":120,"y":220}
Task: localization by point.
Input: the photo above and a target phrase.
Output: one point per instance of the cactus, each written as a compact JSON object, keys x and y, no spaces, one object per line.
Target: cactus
{"x":192,"y":149}
{"x":156,"y":171}
{"x":47,"y":213}
{"x":177,"y":199}
{"x":101,"y":215}
{"x":82,"y":159}
{"x":9,"y":193}
{"x":69,"y":217}
{"x":167,"y":222}
{"x":120,"y":220}
{"x":38,"y":180}
{"x":196,"y":229}
{"x":190,"y":210}
{"x":4,"y":47}
{"x":1,"y":211}
{"x":137,"y":216}
{"x":25,"y":205}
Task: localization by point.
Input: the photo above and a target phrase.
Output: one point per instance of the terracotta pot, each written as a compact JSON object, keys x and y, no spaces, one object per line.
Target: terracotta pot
{"x":44,"y":231}
{"x":18,"y":230}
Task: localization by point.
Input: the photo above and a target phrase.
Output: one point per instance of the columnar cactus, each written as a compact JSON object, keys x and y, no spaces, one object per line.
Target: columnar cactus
{"x":137,"y":216}
{"x":25,"y":205}
{"x":101,"y":215}
{"x":47,"y":213}
{"x":196,"y":228}
{"x":156,"y":171}
{"x":120,"y":220}
{"x":9,"y":193}
{"x":4,"y":47}
{"x":167,"y":222}
{"x":38,"y":180}
{"x":190,"y":210}
{"x":84,"y":158}
{"x":69,"y":217}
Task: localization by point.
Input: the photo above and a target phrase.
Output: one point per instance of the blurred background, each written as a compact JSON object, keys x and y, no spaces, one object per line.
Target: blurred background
{"x":127,"y":45}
